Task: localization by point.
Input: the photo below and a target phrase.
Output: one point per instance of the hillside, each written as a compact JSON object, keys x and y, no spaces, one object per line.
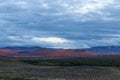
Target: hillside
{"x":46,"y":53}
{"x":9,"y":51}
{"x":62,"y":53}
{"x":39,"y":52}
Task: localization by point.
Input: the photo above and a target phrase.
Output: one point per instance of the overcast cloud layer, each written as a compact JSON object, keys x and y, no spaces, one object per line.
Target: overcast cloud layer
{"x":60,"y":23}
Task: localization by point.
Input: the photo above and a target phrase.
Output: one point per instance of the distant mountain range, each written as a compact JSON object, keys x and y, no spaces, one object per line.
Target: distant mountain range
{"x":23,"y":51}
{"x":105,"y":49}
{"x":99,"y":49}
{"x":23,"y":48}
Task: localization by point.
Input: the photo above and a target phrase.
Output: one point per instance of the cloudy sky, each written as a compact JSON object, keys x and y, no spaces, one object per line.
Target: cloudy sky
{"x":60,"y":23}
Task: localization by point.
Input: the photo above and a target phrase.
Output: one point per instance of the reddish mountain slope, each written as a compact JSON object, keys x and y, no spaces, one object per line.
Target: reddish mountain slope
{"x":62,"y":53}
{"x":8,"y":51}
{"x":47,"y":53}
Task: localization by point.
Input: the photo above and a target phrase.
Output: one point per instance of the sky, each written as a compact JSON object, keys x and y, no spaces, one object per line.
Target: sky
{"x":60,"y":23}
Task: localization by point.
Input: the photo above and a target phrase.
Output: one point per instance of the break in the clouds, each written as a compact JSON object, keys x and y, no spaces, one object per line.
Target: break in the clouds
{"x":59,"y":23}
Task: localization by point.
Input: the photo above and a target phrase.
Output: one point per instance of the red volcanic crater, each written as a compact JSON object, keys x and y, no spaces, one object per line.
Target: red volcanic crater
{"x":62,"y":53}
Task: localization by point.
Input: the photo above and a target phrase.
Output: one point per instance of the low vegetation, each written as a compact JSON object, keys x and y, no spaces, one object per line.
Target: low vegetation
{"x":6,"y":78}
{"x":60,"y":69}
{"x":104,"y":62}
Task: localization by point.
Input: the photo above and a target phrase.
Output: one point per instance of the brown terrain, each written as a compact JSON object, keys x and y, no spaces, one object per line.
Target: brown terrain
{"x":14,"y":70}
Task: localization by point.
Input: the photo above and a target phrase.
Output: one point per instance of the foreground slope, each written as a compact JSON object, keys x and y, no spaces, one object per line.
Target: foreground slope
{"x":15,"y":70}
{"x":10,"y":62}
{"x":59,"y":73}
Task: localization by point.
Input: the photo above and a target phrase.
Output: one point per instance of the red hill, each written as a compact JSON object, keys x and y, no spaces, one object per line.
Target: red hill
{"x":47,"y":53}
{"x":8,"y":51}
{"x":61,"y":53}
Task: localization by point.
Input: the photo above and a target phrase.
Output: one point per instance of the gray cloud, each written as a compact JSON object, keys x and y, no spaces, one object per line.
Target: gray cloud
{"x":80,"y":21}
